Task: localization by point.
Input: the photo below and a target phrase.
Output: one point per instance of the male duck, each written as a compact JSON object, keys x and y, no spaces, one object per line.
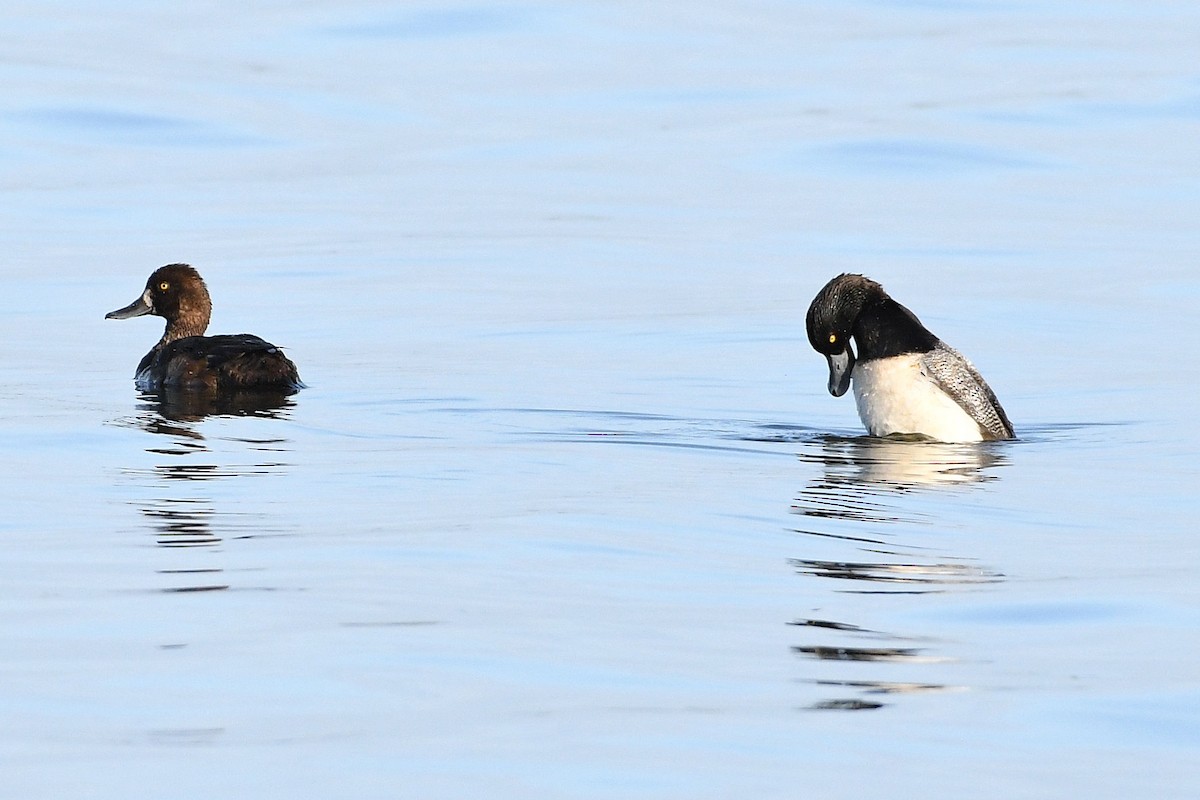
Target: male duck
{"x":184,"y":357}
{"x":906,"y":380}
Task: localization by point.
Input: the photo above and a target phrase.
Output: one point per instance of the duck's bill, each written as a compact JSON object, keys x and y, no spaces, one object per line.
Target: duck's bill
{"x":135,"y":309}
{"x":841,"y":365}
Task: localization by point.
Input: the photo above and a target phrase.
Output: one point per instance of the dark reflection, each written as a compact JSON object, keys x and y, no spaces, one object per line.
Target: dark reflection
{"x":909,"y":654}
{"x":902,"y":655}
{"x":872,"y":688}
{"x":208,"y":472}
{"x":890,"y":687}
{"x":841,"y":626}
{"x":208,"y":587}
{"x":869,"y":516}
{"x":833,"y":626}
{"x":186,"y":516}
{"x":181,"y":523}
{"x":846,"y":705}
{"x":191,"y":405}
{"x":917,"y":578}
{"x":185,"y":737}
{"x":190,"y":450}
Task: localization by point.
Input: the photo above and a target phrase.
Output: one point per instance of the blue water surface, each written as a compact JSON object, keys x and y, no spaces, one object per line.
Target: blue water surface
{"x":566,"y":509}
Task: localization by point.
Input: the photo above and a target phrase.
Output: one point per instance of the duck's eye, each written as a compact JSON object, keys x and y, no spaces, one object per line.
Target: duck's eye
{"x":832,"y":337}
{"x":164,"y":286}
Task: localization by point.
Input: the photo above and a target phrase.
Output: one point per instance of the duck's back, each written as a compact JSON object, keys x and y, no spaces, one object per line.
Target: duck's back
{"x":228,"y":362}
{"x":959,"y":379}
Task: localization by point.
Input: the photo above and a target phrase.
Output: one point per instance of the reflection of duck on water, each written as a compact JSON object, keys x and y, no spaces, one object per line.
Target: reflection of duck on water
{"x":898,"y":465}
{"x":181,"y":523}
{"x":851,"y":540}
{"x":188,"y":405}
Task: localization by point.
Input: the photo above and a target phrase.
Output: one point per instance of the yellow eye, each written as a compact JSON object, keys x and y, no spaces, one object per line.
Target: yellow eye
{"x":164,"y":286}
{"x":832,"y":336}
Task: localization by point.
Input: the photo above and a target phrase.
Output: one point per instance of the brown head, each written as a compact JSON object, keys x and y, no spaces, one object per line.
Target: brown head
{"x":176,"y":293}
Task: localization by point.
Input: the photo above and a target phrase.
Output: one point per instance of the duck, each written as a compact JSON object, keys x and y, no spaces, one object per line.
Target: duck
{"x":185,"y":358}
{"x":907,"y":381}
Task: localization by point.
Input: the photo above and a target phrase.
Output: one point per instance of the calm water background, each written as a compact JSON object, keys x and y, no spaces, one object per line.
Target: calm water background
{"x":566,"y":510}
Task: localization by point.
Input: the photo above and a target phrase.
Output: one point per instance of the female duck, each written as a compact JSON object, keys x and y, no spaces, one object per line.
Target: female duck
{"x":906,"y":380}
{"x":184,"y":357}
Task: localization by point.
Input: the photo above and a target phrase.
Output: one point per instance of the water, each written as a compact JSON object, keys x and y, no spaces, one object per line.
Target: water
{"x":566,"y":510}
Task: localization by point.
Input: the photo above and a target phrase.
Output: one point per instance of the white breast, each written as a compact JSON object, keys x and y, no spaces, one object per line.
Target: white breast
{"x":894,"y":396}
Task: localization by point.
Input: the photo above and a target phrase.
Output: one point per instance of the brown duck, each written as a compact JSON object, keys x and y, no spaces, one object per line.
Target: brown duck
{"x":185,"y":358}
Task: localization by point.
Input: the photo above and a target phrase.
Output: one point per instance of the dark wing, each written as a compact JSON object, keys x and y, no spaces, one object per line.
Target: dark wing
{"x":958,"y":378}
{"x":238,"y":361}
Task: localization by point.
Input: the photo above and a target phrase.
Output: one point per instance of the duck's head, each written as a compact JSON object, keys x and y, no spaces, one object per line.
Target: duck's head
{"x":830,"y":323}
{"x":177,"y":293}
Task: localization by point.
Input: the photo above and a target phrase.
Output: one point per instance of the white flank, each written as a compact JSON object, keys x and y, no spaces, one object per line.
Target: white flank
{"x":894,"y":396}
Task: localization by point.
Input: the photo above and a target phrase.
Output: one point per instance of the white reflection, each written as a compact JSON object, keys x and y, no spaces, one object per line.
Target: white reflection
{"x":902,"y":464}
